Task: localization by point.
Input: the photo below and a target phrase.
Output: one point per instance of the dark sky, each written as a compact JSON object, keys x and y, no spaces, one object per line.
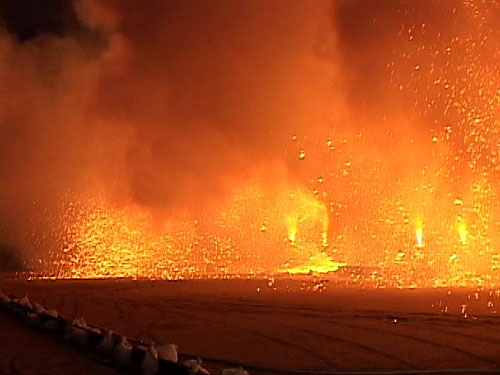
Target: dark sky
{"x":28,"y":19}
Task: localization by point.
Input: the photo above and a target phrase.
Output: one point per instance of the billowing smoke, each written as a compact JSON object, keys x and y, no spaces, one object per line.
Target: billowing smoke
{"x":162,"y":103}
{"x":209,"y":89}
{"x":169,"y":104}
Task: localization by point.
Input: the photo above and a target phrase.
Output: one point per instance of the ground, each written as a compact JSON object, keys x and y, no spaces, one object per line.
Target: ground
{"x":286,"y":325}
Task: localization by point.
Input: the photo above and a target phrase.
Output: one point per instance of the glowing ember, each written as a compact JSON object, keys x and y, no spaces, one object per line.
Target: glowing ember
{"x":244,"y":236}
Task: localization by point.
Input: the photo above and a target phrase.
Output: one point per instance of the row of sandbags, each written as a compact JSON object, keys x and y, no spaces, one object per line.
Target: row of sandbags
{"x":150,"y":359}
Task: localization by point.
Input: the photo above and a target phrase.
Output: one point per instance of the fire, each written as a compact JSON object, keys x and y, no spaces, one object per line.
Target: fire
{"x":242,"y":237}
{"x":292,"y":229}
{"x":320,"y":263}
{"x":309,"y":212}
{"x":419,"y":233}
{"x":414,"y":207}
{"x":462,"y":231}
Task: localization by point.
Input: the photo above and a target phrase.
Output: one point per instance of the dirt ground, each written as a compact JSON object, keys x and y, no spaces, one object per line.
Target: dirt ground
{"x":286,"y":325}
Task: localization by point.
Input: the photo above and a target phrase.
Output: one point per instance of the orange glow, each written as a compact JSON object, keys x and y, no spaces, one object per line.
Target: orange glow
{"x":320,"y":263}
{"x":244,"y":236}
{"x":405,"y":193}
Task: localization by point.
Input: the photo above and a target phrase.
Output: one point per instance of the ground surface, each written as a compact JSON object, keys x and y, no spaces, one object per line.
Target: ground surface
{"x":247,"y":321}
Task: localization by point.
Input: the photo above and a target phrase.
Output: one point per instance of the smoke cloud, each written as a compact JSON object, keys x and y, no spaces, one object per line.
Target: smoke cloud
{"x":167,"y":104}
{"x":162,"y":103}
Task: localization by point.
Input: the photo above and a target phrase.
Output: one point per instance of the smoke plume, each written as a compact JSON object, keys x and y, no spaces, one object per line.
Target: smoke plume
{"x":162,"y":103}
{"x":169,"y":104}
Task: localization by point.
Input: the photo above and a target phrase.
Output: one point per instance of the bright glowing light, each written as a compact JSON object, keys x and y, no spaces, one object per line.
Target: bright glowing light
{"x":419,"y":232}
{"x":242,"y":236}
{"x":357,"y":200}
{"x":292,"y":222}
{"x":320,"y":263}
{"x":462,"y":231}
